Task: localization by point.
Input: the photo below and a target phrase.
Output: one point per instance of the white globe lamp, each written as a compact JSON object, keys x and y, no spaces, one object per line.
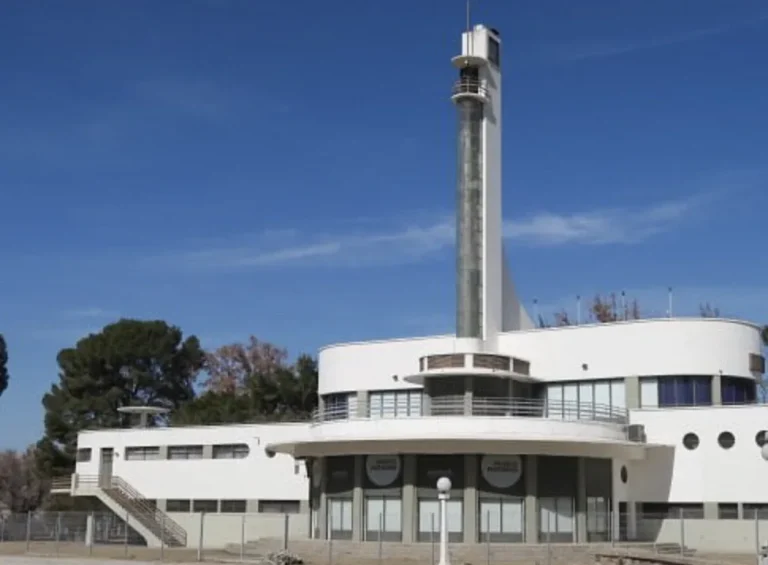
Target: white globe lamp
{"x":443,"y":494}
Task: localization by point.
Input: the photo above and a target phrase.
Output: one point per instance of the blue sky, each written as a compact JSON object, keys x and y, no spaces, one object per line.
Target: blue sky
{"x":287,"y":169}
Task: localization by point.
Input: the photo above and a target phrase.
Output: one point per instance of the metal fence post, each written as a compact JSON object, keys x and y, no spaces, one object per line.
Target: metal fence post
{"x":682,"y":532}
{"x":125,"y":540}
{"x":488,"y":538}
{"x":432,"y":536}
{"x":758,"y":548}
{"x":202,"y":534}
{"x":2,"y":529}
{"x":286,"y":519}
{"x":58,"y":531}
{"x":90,"y":525}
{"x":330,"y":543}
{"x":29,"y":530}
{"x":242,"y":539}
{"x":162,"y":537}
{"x":381,"y":534}
{"x":549,"y":542}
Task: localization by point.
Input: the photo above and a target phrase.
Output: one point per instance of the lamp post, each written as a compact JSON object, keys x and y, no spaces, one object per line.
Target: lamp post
{"x":443,"y":494}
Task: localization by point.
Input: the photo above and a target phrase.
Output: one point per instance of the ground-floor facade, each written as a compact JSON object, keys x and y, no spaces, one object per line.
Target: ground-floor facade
{"x":500,"y":498}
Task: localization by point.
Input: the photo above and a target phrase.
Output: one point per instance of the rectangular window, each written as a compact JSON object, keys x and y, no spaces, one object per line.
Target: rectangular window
{"x":672,"y":510}
{"x":144,"y":453}
{"x":279,"y":506}
{"x":336,"y":406}
{"x":83,"y":454}
{"x":340,"y":518}
{"x":685,"y":390}
{"x":185,"y":452}
{"x":205,"y":506}
{"x":556,"y":518}
{"x":755,"y":510}
{"x":501,"y":520}
{"x":737,"y":391}
{"x":176,"y":505}
{"x":395,"y":404}
{"x":429,"y":517}
{"x":233,"y":506}
{"x":383,"y":518}
{"x":230,"y":451}
{"x":494,"y":51}
{"x":598,"y":518}
{"x":727,"y":510}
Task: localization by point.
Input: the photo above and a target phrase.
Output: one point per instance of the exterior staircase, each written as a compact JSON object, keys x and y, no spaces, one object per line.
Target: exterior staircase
{"x":154,"y":525}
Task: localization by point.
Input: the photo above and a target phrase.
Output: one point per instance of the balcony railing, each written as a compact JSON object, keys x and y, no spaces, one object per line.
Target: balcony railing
{"x":457,"y":405}
{"x":467,"y":86}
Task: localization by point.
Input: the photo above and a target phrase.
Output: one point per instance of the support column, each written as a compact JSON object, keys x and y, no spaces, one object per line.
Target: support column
{"x":410,"y":504}
{"x":580,"y":535}
{"x":632,"y":392}
{"x":426,"y":399}
{"x":322,"y":518}
{"x":362,"y":404}
{"x":357,"y":500}
{"x":470,"y":498}
{"x":468,"y":392}
{"x":711,"y":511}
{"x":717,"y":391}
{"x":531,"y":499}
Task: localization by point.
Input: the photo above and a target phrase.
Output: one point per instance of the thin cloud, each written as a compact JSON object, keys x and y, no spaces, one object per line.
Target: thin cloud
{"x":198,"y":98}
{"x":92,"y":312}
{"x":601,"y":227}
{"x":608,"y":49}
{"x":413,"y":243}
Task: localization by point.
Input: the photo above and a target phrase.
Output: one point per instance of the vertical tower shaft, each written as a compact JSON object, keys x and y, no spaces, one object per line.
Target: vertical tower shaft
{"x":469,"y":218}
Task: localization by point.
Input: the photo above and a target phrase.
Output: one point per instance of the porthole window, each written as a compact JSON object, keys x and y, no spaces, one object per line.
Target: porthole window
{"x":761,"y":438}
{"x":623,"y":474}
{"x":726,"y":440}
{"x":691,"y":441}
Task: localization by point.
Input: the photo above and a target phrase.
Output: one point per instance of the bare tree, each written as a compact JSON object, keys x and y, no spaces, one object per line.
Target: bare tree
{"x":22,"y":488}
{"x":230,"y":366}
{"x":708,"y":311}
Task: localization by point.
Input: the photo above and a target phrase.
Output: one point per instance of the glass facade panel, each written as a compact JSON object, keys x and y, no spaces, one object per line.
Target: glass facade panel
{"x":340,"y":518}
{"x":395,"y":404}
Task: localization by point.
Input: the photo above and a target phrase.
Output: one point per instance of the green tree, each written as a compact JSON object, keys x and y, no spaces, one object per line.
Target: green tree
{"x":3,"y":365}
{"x":128,"y":363}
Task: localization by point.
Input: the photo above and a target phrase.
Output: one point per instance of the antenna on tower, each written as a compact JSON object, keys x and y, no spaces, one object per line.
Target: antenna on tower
{"x":469,"y":20}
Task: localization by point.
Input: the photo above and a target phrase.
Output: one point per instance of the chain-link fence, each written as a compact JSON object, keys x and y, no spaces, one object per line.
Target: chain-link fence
{"x":253,"y":537}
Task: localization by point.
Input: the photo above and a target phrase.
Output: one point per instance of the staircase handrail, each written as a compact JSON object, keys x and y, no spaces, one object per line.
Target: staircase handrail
{"x":166,"y":523}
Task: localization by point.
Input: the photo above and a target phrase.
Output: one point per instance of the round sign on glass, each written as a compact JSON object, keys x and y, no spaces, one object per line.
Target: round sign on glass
{"x":382,"y":470}
{"x":501,"y":471}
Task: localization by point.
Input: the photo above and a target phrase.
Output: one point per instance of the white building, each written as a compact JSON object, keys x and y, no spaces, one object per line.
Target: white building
{"x":567,"y":434}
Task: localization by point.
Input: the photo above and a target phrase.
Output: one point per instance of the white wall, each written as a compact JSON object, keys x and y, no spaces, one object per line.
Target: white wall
{"x":371,"y":365}
{"x":666,"y":346}
{"x":221,"y":530}
{"x":709,"y":473}
{"x":682,"y":346}
{"x":254,"y":477}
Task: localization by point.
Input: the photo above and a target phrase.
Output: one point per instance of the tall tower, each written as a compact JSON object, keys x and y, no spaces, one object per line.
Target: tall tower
{"x":486,"y":302}
{"x":477,"y":95}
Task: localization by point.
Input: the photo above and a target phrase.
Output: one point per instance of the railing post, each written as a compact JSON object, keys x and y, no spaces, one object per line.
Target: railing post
{"x":29,"y":529}
{"x":125,"y":540}
{"x":162,"y":537}
{"x":285,"y":531}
